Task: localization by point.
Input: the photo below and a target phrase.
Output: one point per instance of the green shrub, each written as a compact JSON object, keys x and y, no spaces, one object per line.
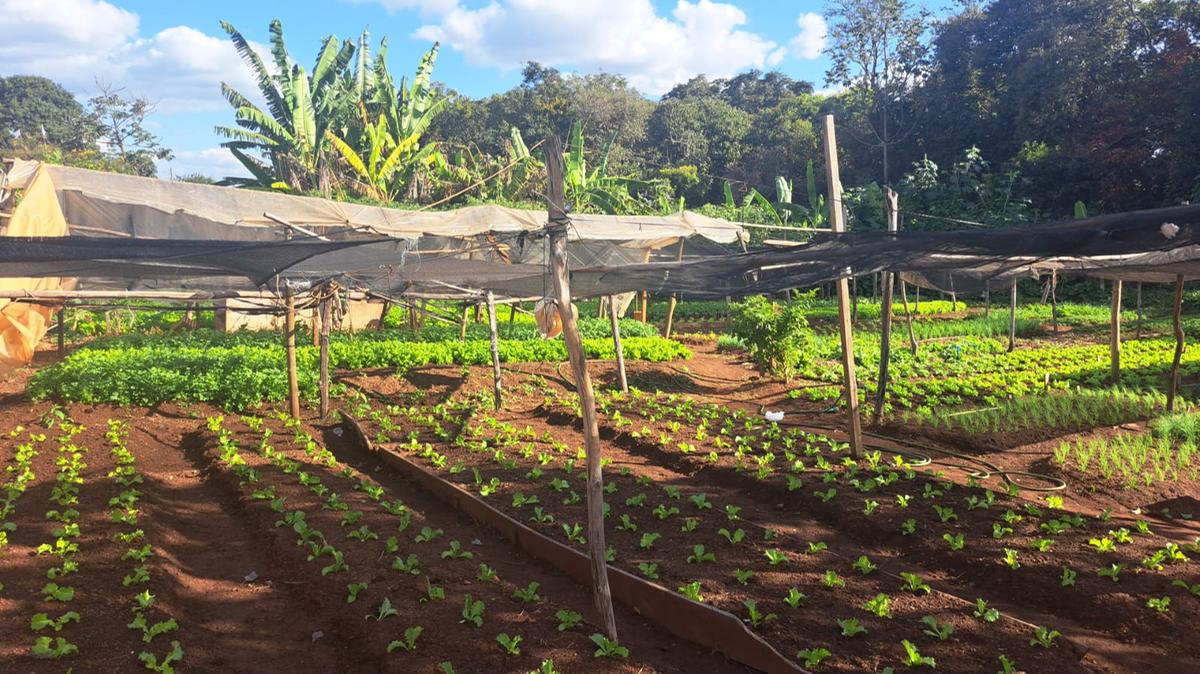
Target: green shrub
{"x":777,"y":337}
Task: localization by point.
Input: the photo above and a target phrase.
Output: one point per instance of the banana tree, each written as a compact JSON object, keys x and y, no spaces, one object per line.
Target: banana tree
{"x":597,"y":190}
{"x":300,"y":107}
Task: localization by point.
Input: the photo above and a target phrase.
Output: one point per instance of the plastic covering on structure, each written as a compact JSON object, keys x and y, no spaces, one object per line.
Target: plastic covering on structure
{"x":23,"y":325}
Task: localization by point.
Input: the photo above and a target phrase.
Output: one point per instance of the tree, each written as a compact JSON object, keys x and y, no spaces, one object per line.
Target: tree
{"x":878,"y":53}
{"x":122,"y":135}
{"x":290,"y":134}
{"x":36,"y":110}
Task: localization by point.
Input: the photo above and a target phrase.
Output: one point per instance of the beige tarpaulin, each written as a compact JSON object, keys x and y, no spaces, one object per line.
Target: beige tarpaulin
{"x":23,"y":325}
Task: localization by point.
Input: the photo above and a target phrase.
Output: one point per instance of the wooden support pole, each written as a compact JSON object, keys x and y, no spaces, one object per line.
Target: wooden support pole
{"x":1173,"y":385}
{"x":62,"y":331}
{"x":616,"y":331}
{"x":912,"y":336}
{"x":557,"y":234}
{"x":837,"y":220}
{"x":674,"y":296}
{"x":891,"y":201}
{"x":495,"y":338}
{"x":1114,"y":332}
{"x":326,"y":320}
{"x":1012,"y":317}
{"x":289,"y":345}
{"x":987,"y":303}
{"x":462,"y":326}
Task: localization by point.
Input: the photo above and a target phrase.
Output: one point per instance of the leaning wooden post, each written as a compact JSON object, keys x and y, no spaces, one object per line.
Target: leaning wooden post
{"x":326,"y":320}
{"x":1012,"y":318}
{"x":616,"y":331}
{"x":289,"y":345}
{"x":838,"y":222}
{"x":674,"y":296}
{"x":912,"y":336}
{"x":891,"y":201}
{"x":491,"y":310}
{"x":387,"y":306}
{"x":1114,"y":332}
{"x":556,"y":230}
{"x":462,"y":326}
{"x":1173,"y":385}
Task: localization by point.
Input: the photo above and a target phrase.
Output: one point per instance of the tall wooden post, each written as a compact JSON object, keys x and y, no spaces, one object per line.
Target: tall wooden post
{"x":462,"y":326}
{"x":1173,"y":385}
{"x":1012,"y":317}
{"x":326,"y":319}
{"x":556,"y":230}
{"x":616,"y":331}
{"x":838,"y":222}
{"x":1114,"y":332}
{"x":387,"y":306}
{"x":491,"y":310}
{"x":674,"y":296}
{"x":289,"y":345}
{"x":891,"y":202}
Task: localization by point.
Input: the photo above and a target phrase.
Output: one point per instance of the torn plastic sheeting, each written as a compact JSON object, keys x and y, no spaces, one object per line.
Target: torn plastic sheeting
{"x":704,"y":625}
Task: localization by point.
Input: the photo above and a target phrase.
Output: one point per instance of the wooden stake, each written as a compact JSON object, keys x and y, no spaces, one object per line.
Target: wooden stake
{"x":987,"y":303}
{"x":491,"y":311}
{"x":616,"y":331}
{"x":387,"y":306}
{"x":1139,"y":310}
{"x":462,"y":326}
{"x":1173,"y":385}
{"x":62,"y":331}
{"x":912,"y":336}
{"x":1054,"y":299}
{"x":1012,"y":318}
{"x":289,"y":345}
{"x":1114,"y":331}
{"x":557,"y":233}
{"x":836,"y":219}
{"x":325,"y":326}
{"x":674,"y":296}
{"x":891,"y":201}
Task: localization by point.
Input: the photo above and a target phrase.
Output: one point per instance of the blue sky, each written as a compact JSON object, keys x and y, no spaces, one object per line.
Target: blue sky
{"x":176,"y":54}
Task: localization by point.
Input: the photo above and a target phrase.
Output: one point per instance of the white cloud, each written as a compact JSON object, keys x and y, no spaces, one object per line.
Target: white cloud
{"x":426,"y":7}
{"x":810,"y":41}
{"x":214,"y":162}
{"x":76,"y":42}
{"x":628,"y":37}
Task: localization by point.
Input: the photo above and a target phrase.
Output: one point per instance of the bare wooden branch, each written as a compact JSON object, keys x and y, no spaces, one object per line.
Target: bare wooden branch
{"x":1173,"y":385}
{"x":891,"y":201}
{"x":620,"y":354}
{"x":1114,"y":333}
{"x":495,"y":340}
{"x":289,"y":344}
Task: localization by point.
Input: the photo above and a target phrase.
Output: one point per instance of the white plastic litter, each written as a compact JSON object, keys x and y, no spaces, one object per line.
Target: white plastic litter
{"x":774,"y":416}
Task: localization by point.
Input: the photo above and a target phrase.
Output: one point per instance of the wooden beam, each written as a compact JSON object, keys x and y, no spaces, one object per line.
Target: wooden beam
{"x":495,"y":340}
{"x":837,"y":220}
{"x":616,"y":332}
{"x":1173,"y":385}
{"x":1012,"y":317}
{"x":674,"y":296}
{"x":326,"y":320}
{"x":891,"y":202}
{"x":1114,"y":332}
{"x":557,"y":233}
{"x":289,"y":345}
